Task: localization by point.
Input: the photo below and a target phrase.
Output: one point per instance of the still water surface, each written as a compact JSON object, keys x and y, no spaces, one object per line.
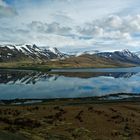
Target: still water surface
{"x":68,"y":83}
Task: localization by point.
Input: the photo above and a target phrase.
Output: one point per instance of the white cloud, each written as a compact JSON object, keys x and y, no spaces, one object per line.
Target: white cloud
{"x":52,"y":28}
{"x":71,"y":24}
{"x":112,"y":27}
{"x":114,"y":21}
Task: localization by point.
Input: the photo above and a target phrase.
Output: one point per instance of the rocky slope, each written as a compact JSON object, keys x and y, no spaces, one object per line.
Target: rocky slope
{"x":54,"y":58}
{"x":124,"y":56}
{"x":19,"y":52}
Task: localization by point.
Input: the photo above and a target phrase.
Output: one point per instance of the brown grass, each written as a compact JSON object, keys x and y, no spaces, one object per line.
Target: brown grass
{"x":62,"y":121}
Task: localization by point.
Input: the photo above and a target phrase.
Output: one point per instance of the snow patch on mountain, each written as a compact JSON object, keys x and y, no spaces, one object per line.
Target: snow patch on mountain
{"x":31,"y":51}
{"x":122,"y":56}
{"x":138,"y":53}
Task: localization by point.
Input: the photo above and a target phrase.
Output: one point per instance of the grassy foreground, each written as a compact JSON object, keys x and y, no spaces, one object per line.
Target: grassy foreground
{"x":71,"y":119}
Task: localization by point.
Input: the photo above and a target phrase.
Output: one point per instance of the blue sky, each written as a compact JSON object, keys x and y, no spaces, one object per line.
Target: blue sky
{"x":72,"y":24}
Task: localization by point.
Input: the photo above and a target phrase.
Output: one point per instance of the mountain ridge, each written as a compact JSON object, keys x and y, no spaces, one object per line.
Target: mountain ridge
{"x":122,"y":56}
{"x":17,"y":52}
{"x":52,"y":57}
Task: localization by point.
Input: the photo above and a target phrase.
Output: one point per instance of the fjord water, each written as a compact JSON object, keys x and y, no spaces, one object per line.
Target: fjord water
{"x":68,"y":83}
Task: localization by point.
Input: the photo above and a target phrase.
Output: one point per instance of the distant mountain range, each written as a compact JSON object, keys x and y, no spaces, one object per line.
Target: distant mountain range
{"x":52,"y":56}
{"x":18,"y":52}
{"x":122,"y":56}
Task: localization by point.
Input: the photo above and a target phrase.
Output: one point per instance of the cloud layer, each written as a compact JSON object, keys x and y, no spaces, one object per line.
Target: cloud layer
{"x":70,"y":25}
{"x":6,"y":10}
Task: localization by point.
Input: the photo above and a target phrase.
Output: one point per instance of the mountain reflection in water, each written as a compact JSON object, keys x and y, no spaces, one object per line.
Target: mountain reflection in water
{"x":40,"y":85}
{"x":32,"y":77}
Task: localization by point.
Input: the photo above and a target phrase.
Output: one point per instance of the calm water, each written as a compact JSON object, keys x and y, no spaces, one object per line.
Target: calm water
{"x":68,"y":83}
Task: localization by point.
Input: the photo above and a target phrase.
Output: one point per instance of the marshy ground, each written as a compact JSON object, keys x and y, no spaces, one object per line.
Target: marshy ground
{"x":71,"y":120}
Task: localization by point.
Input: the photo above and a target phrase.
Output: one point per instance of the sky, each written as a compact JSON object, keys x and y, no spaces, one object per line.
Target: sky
{"x":72,"y":25}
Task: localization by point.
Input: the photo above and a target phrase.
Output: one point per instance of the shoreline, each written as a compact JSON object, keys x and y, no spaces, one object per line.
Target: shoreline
{"x":110,"y":98}
{"x":48,"y":68}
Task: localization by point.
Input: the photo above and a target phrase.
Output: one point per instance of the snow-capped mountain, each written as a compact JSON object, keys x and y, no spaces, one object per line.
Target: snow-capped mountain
{"x":33,"y":52}
{"x":17,"y":52}
{"x":122,"y":56}
{"x":138,"y":54}
{"x":56,"y":52}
